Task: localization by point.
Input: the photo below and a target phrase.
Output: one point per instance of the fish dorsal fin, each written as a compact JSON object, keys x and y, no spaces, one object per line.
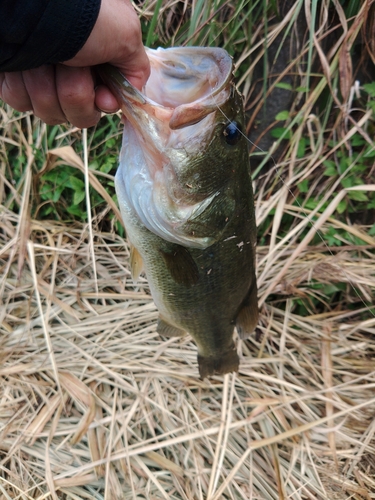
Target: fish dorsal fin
{"x":181,"y":265}
{"x":247,"y":318}
{"x":136,"y":263}
{"x":165,"y":329}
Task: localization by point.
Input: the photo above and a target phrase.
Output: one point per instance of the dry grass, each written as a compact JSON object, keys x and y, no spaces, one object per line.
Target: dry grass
{"x":94,"y":405}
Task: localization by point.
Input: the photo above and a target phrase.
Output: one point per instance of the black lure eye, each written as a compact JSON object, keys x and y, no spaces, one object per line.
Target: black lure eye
{"x":232,"y":133}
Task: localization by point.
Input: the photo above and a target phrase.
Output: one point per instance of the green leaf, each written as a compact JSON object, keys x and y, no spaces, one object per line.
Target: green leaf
{"x":94,"y":165}
{"x":302,"y":89}
{"x":283,"y":115}
{"x":76,"y":183}
{"x":78,"y":197}
{"x":331,"y":239}
{"x":341,"y":207}
{"x":357,"y":140}
{"x":347,"y":182}
{"x":48,"y":210}
{"x":311,"y":204}
{"x":57,"y":193}
{"x":74,"y":210}
{"x":330,"y":171}
{"x":303,"y":186}
{"x":370,"y":88}
{"x":358,"y":196}
{"x":371,"y":231}
{"x":329,"y":289}
{"x":108,"y":165}
{"x":370,"y":153}
{"x":119,"y":228}
{"x":278,"y":132}
{"x":283,"y":85}
{"x":344,"y":164}
{"x":301,"y":149}
{"x":329,"y":163}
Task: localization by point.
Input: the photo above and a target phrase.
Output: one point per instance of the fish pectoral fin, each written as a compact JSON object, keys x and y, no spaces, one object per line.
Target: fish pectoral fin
{"x":218,"y":365}
{"x":247,"y":318}
{"x":181,"y":265}
{"x":136,"y":263}
{"x":165,"y":329}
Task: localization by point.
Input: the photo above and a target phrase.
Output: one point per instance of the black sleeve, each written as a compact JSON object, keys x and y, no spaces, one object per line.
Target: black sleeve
{"x":36,"y":32}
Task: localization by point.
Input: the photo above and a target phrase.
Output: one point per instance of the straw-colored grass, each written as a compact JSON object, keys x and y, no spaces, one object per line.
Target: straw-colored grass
{"x":94,"y":405}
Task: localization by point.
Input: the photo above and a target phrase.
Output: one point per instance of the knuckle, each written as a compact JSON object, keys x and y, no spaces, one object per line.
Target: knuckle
{"x":72,"y":97}
{"x":12,"y":92}
{"x":78,"y":93}
{"x":40,"y":83}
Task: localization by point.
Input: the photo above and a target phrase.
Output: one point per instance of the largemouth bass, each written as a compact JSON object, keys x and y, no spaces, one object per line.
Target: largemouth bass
{"x":185,"y":194}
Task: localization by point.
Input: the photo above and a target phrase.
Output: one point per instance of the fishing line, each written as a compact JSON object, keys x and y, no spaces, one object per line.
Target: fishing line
{"x":318,"y":232}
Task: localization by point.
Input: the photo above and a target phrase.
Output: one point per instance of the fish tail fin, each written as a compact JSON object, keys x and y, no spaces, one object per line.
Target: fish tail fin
{"x":227,"y":362}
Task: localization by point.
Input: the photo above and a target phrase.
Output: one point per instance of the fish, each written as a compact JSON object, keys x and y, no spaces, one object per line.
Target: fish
{"x":185,"y":192}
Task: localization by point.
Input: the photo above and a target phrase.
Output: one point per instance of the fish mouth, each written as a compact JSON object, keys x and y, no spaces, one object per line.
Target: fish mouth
{"x":190,"y":81}
{"x":185,"y":84}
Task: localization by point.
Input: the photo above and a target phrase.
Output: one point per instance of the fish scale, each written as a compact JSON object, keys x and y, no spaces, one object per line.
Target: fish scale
{"x":185,"y":194}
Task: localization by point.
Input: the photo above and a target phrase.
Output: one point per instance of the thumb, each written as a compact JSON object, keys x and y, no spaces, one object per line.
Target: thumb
{"x":116,"y":39}
{"x":135,"y":67}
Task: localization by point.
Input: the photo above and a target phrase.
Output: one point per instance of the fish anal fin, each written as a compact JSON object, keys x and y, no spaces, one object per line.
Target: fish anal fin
{"x":181,"y":265}
{"x":247,"y":318}
{"x":136,"y":263}
{"x":165,"y":329}
{"x":218,"y":365}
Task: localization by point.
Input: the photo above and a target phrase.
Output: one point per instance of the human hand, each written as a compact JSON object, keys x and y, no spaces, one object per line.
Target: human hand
{"x":68,"y":91}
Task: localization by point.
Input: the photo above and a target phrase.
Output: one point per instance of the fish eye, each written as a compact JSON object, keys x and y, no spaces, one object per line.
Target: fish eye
{"x":232,"y":133}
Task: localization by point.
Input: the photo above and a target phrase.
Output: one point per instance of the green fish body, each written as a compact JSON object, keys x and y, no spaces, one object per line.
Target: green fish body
{"x":185,"y":194}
